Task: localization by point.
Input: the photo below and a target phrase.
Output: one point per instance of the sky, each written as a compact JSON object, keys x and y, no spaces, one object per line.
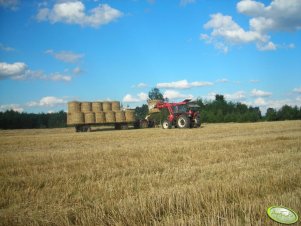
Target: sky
{"x":55,"y":51}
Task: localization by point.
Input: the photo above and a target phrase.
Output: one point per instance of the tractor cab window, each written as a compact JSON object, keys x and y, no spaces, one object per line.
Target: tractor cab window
{"x":179,"y":109}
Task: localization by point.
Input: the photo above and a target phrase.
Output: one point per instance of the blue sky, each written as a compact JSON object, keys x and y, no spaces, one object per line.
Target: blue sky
{"x":55,"y":51}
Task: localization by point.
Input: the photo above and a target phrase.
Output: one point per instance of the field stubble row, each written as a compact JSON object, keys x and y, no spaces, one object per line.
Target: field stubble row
{"x":220,"y":174}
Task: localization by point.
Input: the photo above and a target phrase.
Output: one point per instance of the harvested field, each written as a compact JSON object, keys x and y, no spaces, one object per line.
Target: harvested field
{"x":220,"y":174}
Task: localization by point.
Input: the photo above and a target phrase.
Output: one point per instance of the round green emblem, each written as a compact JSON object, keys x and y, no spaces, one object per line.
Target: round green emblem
{"x":282,"y":215}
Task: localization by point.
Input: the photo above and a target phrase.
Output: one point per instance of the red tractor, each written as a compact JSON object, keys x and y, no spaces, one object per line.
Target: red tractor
{"x":181,"y":115}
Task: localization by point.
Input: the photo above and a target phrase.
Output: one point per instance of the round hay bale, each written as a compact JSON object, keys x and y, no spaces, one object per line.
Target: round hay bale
{"x":89,"y":118}
{"x":152,"y":103}
{"x":107,"y":106}
{"x":77,"y":118}
{"x":86,"y":107}
{"x":115,"y":106}
{"x":154,"y":110}
{"x":130,"y":115}
{"x":110,"y":116}
{"x":100,"y":117}
{"x":73,"y":106}
{"x":96,"y":106}
{"x":119,"y":116}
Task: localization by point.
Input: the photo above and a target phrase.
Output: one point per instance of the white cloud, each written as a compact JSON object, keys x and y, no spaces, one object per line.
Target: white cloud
{"x":183,"y":84}
{"x":260,"y":93}
{"x":140,"y":85}
{"x":14,"y":107}
{"x":65,"y":56}
{"x":210,"y":96}
{"x":11,"y":4}
{"x":173,"y":94}
{"x":259,"y":102}
{"x":237,"y":96}
{"x":142,"y":96}
{"x":130,"y":99}
{"x":6,"y":48}
{"x":297,"y":90}
{"x":48,"y":101}
{"x":74,"y":12}
{"x":266,"y":46}
{"x":12,"y":70}
{"x":186,"y":2}
{"x":223,"y":80}
{"x":254,"y":81}
{"x":77,"y":70}
{"x":279,"y":16}
{"x":224,"y":26}
{"x":134,"y":99}
{"x":60,"y":77}
{"x":20,"y":71}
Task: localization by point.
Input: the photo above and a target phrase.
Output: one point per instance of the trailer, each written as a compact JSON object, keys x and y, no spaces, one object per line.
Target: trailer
{"x":83,"y":115}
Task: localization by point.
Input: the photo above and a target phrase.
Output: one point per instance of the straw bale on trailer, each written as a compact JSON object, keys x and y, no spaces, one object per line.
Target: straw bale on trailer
{"x":77,"y":118}
{"x":115,"y":106}
{"x":86,"y":107}
{"x":130,"y":115}
{"x":107,"y":106}
{"x":110,"y":116}
{"x":96,"y":106}
{"x":73,"y":106}
{"x":100,"y":117}
{"x":120,"y":116}
{"x":89,"y":118}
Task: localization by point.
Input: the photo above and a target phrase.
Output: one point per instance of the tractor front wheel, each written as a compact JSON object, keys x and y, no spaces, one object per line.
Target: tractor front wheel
{"x":166,"y":124}
{"x":183,"y":122}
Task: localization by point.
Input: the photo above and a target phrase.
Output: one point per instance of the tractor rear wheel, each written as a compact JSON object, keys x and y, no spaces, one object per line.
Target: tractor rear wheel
{"x":166,"y":124}
{"x":183,"y":122}
{"x":196,"y":122}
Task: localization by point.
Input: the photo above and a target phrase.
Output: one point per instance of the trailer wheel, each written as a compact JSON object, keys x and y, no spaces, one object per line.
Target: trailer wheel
{"x":166,"y":124}
{"x":118,"y":126}
{"x":124,"y":126}
{"x":183,"y":122}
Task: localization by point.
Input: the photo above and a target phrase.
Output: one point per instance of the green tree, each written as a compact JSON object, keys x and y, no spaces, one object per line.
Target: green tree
{"x":155,"y":94}
{"x":141,"y":112}
{"x":271,"y":114}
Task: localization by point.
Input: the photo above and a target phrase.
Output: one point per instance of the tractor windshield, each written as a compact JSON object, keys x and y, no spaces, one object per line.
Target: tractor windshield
{"x":180,"y":109}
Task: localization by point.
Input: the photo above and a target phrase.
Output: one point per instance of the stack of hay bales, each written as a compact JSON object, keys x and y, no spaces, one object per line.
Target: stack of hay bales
{"x":98,"y":113}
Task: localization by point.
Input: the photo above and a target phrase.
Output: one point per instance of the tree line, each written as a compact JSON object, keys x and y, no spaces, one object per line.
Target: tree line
{"x":15,"y":120}
{"x":218,"y":110}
